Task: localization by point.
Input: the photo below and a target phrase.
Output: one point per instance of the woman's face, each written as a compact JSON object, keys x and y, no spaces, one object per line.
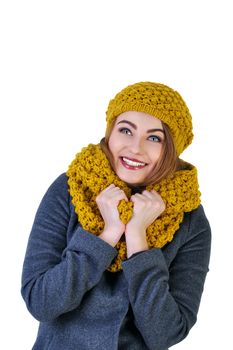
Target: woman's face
{"x":136,"y":143}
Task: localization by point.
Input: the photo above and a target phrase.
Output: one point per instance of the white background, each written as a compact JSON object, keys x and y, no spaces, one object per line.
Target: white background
{"x":61,"y":62}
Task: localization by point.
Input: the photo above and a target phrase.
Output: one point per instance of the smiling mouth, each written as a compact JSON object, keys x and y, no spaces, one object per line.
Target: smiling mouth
{"x":132,"y":164}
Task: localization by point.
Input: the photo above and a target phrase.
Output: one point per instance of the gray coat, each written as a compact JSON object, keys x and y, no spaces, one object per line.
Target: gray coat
{"x":151,"y":304}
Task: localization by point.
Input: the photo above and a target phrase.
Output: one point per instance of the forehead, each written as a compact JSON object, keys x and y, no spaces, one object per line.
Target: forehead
{"x":140,"y":119}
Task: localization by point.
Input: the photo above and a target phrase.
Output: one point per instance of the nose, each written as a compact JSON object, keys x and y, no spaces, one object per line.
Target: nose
{"x":136,"y":146}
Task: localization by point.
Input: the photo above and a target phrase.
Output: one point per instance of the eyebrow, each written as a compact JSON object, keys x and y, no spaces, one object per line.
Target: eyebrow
{"x":135,"y":127}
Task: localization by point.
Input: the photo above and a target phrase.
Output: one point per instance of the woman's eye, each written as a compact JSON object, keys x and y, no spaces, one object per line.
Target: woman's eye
{"x":154,"y":138}
{"x":125,"y":131}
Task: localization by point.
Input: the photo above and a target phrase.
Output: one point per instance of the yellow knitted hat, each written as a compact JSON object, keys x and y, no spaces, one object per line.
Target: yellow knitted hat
{"x":159,"y":101}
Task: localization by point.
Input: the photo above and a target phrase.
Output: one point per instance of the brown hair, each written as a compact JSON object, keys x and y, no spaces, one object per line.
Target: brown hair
{"x":168,"y":161}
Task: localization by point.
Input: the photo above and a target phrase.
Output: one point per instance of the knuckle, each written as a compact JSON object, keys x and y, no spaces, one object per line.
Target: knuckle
{"x":162,"y":206}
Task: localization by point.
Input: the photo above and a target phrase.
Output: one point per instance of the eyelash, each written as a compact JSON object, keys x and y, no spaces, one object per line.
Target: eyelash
{"x":158,"y":138}
{"x":123,"y":131}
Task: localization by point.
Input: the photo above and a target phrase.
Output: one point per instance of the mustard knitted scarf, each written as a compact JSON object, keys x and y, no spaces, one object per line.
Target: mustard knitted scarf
{"x":90,"y":173}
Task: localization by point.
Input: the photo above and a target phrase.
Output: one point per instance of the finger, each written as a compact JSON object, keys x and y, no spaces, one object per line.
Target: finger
{"x":146,"y":193}
{"x":153,"y":194}
{"x":108,"y":188}
{"x":121,"y":195}
{"x":111,"y":189}
{"x":125,"y":197}
{"x":116,"y":192}
{"x":137,"y":197}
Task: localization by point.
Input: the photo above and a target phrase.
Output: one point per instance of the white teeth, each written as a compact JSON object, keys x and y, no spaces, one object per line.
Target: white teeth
{"x":132,"y":163}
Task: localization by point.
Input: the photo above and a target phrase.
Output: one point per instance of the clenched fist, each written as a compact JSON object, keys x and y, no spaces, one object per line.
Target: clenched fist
{"x":107,"y":202}
{"x":147,"y":208}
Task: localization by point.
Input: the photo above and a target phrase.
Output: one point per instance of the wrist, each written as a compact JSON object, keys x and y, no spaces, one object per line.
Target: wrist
{"x":136,"y":228}
{"x":110,"y":236}
{"x":135,"y":241}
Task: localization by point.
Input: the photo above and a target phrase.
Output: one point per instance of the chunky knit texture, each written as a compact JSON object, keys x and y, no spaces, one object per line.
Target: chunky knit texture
{"x":159,"y":101}
{"x":90,"y":173}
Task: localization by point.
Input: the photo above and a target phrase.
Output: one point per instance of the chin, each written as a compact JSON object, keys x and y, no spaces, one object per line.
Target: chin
{"x":131,"y":181}
{"x":131,"y":178}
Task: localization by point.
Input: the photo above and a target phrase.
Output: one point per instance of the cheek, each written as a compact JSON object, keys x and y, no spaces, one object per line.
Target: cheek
{"x":155,"y":153}
{"x":112,"y":147}
{"x":114,"y":144}
{"x":111,"y":144}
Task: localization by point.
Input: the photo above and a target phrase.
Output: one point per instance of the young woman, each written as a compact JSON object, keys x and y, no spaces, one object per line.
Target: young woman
{"x":119,"y":249}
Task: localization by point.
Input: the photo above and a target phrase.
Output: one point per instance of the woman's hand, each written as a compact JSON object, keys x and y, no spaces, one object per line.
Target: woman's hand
{"x":107,"y":202}
{"x":147,"y":207}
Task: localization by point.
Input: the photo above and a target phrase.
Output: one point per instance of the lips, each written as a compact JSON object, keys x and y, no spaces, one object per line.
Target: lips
{"x":132,"y":164}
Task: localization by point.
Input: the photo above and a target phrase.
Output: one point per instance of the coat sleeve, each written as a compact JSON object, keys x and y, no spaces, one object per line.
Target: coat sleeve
{"x":56,"y":275}
{"x":165,"y":302}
